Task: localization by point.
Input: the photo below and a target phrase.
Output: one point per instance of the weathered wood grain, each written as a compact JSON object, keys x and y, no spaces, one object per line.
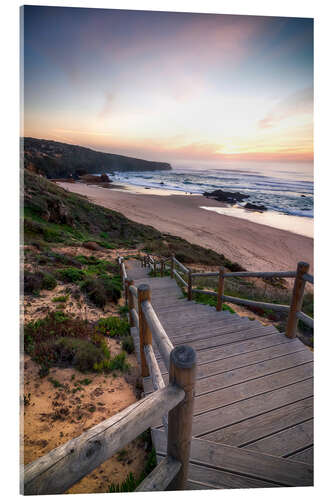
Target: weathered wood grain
{"x":245,"y":462}
{"x":62,"y":467}
{"x":160,"y":478}
{"x":287,"y":441}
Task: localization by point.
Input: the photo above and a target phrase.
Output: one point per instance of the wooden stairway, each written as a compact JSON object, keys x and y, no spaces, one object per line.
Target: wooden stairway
{"x":253,"y":414}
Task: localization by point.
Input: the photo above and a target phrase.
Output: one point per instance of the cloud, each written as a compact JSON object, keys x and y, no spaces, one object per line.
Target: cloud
{"x":299,"y":103}
{"x":107,"y":106}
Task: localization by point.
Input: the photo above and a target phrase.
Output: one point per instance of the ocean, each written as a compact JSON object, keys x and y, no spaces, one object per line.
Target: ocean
{"x":289,"y":193}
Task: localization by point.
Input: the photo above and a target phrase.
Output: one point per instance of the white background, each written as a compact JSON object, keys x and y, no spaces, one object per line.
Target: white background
{"x":321,"y":10}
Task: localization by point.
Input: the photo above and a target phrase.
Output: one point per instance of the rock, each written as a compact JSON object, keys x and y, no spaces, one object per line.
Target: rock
{"x":104,"y":178}
{"x":162,"y":183}
{"x":91,"y":245}
{"x":226,"y":196}
{"x":303,"y":196}
{"x":252,"y":206}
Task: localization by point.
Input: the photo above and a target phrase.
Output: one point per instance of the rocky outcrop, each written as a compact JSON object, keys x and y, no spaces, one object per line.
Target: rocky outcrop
{"x":252,"y":206}
{"x":226,"y":196}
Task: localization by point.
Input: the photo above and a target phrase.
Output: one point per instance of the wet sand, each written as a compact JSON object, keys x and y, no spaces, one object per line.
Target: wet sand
{"x":254,"y":246}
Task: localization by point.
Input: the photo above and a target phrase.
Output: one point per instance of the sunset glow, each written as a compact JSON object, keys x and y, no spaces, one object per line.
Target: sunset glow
{"x":169,"y":86}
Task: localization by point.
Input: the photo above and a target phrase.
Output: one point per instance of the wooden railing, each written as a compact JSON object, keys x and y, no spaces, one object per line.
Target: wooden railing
{"x":64,"y":466}
{"x":294,"y":309}
{"x":181,"y":364}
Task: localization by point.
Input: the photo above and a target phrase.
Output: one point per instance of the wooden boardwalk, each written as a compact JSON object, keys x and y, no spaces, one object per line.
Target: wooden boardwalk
{"x":253,"y":414}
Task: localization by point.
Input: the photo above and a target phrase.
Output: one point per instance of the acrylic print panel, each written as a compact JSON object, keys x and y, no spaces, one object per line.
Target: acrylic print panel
{"x":167,"y":251}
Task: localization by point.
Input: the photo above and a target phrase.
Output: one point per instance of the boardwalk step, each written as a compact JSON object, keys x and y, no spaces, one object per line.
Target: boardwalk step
{"x":246,"y":463}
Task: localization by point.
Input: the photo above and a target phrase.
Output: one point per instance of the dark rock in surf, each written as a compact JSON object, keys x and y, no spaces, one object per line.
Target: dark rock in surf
{"x":258,"y":208}
{"x":226,"y":196}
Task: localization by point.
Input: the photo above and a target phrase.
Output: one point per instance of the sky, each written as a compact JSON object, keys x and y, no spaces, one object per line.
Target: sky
{"x":183,"y":88}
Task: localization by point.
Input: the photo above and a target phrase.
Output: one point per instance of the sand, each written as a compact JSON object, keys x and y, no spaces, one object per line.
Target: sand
{"x":255,"y":246}
{"x":55,"y":415}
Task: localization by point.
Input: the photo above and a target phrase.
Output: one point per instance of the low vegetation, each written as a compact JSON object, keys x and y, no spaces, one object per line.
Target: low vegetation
{"x":131,"y":481}
{"x":59,"y":340}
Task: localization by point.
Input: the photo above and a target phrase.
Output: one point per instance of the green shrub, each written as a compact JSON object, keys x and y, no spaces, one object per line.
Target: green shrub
{"x":128,"y":344}
{"x":102,"y":289}
{"x":71,"y":275}
{"x":61,"y":298}
{"x":49,"y":282}
{"x":118,"y":362}
{"x":80,"y":353}
{"x":113,"y":326}
{"x":34,"y":282}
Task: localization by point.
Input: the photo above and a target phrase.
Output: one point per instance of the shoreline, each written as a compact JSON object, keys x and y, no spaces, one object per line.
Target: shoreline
{"x":254,"y":246}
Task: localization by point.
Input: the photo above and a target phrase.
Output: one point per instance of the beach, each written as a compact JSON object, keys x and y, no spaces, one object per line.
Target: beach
{"x":256,"y":247}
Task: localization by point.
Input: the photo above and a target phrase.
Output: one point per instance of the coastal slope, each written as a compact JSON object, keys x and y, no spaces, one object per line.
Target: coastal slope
{"x":253,"y":246}
{"x":57,"y":159}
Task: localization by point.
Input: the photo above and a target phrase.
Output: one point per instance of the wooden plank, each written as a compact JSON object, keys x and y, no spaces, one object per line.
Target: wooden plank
{"x":237,"y":361}
{"x":210,"y":478}
{"x":64,"y":466}
{"x":250,"y":345}
{"x":230,"y":338}
{"x":231,"y":377}
{"x":234,"y":393}
{"x":161,"y":476}
{"x":212,"y":424}
{"x":225,"y":351}
{"x":244,"y":462}
{"x":255,"y":371}
{"x":285,"y":442}
{"x":305,"y":456}
{"x":268,"y":423}
{"x":221,"y":339}
{"x":214,"y":330}
{"x":203,"y":321}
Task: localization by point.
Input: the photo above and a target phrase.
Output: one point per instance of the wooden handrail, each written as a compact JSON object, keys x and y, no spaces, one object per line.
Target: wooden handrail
{"x":308,"y":277}
{"x":179,"y":277}
{"x":64,"y":466}
{"x":246,"y":302}
{"x":254,"y":303}
{"x":160,"y":477}
{"x":305,"y":318}
{"x":154,"y":369}
{"x":133,"y":289}
{"x":161,"y":338}
{"x":180,"y":265}
{"x":250,"y":274}
{"x":135,"y":317}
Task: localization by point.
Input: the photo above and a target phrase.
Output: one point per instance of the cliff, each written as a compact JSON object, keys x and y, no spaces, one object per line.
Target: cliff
{"x":57,"y":159}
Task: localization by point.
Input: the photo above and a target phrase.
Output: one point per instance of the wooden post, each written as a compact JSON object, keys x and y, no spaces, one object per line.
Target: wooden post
{"x":296,"y":299}
{"x":182,"y":373}
{"x":155,"y":268}
{"x":220,"y":290}
{"x":162,"y":268}
{"x":130,"y":303}
{"x":189,"y":285}
{"x":172,"y":265}
{"x":144,"y":332}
